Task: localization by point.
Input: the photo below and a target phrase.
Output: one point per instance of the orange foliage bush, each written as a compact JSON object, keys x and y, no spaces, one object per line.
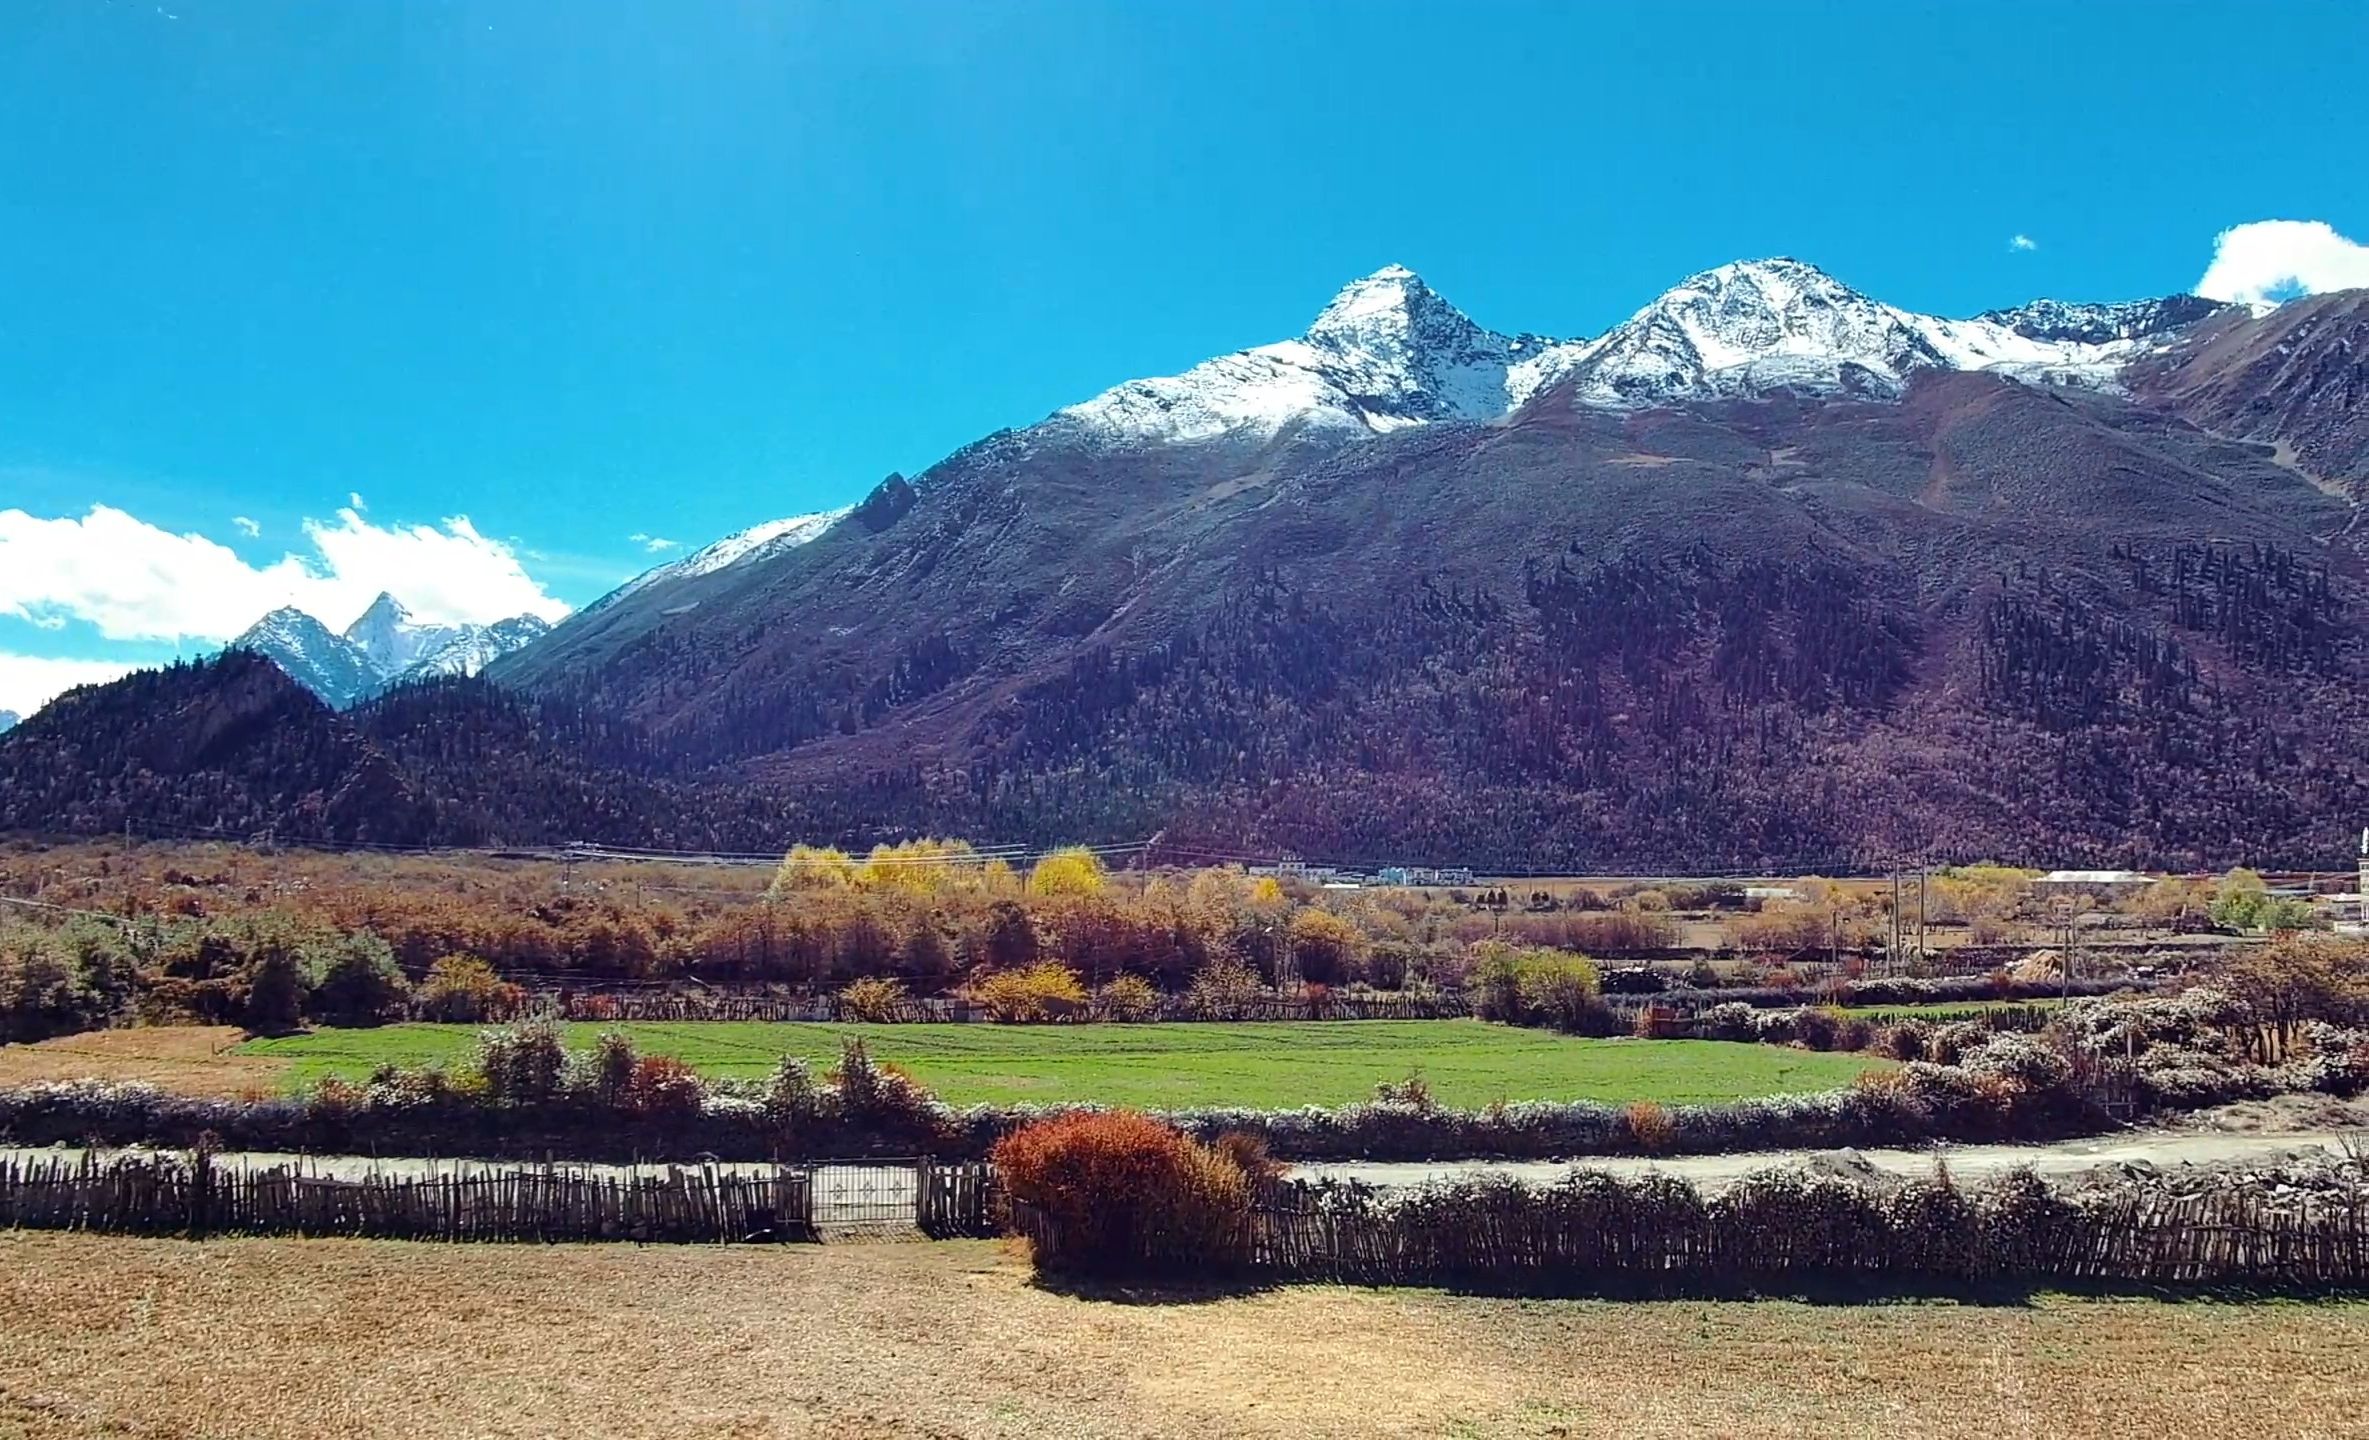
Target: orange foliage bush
{"x":1121,"y":1191}
{"x":663,"y":1086}
{"x":1649,"y":1126}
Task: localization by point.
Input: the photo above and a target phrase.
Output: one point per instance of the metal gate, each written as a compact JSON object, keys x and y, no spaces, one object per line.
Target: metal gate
{"x":868,"y":1193}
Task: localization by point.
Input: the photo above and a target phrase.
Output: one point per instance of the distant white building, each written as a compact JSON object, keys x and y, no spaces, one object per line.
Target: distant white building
{"x":2094,"y":880}
{"x":1414,"y":875}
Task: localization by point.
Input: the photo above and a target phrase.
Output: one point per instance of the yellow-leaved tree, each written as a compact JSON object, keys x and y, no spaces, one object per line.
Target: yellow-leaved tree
{"x":920,"y":867}
{"x":1071,"y":871}
{"x":809,"y":867}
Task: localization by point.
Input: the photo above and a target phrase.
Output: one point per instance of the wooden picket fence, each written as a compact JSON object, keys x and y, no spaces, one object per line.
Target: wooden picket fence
{"x":166,"y":1195}
{"x":1556,"y":1242}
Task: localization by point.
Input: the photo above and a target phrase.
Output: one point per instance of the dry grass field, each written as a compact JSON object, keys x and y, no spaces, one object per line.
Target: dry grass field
{"x":306,"y":1338}
{"x":189,"y":1059}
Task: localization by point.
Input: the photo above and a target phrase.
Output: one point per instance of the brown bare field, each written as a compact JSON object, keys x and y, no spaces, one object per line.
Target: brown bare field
{"x":103,"y":1336}
{"x":188,"y":1059}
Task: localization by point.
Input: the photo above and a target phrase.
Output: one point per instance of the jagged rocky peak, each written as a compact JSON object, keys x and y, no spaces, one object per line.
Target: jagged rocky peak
{"x":316,"y":657}
{"x":1749,"y":326}
{"x":384,"y":646}
{"x":391,"y":638}
{"x":1405,"y":354}
{"x":2101,"y":324}
{"x":1387,"y":352}
{"x":1758,"y":326}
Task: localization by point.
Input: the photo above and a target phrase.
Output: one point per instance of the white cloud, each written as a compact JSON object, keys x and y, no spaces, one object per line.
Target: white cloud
{"x":133,"y":581}
{"x":246,"y":526}
{"x":28,"y":682}
{"x":2022,"y":242}
{"x":2278,"y":259}
{"x":654,"y":544}
{"x":353,"y":498}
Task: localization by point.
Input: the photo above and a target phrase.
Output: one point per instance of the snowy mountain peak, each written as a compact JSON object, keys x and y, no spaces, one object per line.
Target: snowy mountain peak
{"x":1757,"y":326}
{"x":473,"y":647}
{"x":314,"y":656}
{"x":2103,"y":324}
{"x":381,"y":648}
{"x":1391,"y":302}
{"x":1387,"y":352}
{"x":9,"y":720}
{"x":391,"y":638}
{"x":755,"y":543}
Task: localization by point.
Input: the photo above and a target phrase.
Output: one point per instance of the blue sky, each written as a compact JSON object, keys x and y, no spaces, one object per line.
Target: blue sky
{"x":589,"y":271}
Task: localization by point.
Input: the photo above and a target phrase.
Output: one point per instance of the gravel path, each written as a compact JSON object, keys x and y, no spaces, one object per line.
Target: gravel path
{"x":1966,"y":1162}
{"x":2160,"y":1149}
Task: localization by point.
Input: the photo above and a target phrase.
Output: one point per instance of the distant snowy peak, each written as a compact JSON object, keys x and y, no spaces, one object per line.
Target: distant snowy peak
{"x":2104,"y":324}
{"x":759,"y":540}
{"x":9,"y":720}
{"x":1763,"y":325}
{"x":392,"y":639}
{"x":1388,"y":352}
{"x":384,"y":647}
{"x":755,"y":543}
{"x":470,"y":648}
{"x":314,"y":656}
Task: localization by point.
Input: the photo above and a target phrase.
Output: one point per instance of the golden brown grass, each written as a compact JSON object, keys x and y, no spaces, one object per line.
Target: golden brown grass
{"x":189,"y":1059}
{"x":102,"y":1336}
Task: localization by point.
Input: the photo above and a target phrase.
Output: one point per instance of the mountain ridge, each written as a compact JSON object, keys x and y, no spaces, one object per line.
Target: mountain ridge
{"x":384,"y":646}
{"x":1830,"y":582}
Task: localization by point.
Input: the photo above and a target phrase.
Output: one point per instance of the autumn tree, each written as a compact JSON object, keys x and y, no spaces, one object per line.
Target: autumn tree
{"x":1325,"y":949}
{"x":1072,"y":871}
{"x":808,"y":868}
{"x":2297,"y":978}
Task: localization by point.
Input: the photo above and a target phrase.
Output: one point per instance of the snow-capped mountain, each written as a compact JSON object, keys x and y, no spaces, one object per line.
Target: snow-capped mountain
{"x":2103,"y":324}
{"x":392,"y":639}
{"x":470,"y":648}
{"x":384,"y":647}
{"x":1390,"y":352}
{"x":755,"y":543}
{"x":1763,"y":325}
{"x":316,"y":657}
{"x":9,"y":720}
{"x":1386,"y":353}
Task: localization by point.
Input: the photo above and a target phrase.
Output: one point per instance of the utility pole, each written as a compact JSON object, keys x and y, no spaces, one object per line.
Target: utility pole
{"x":1894,"y":954}
{"x":1921,"y":874}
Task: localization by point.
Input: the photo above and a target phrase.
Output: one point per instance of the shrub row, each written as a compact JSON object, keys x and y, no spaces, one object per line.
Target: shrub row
{"x":624,"y":1108}
{"x":1781,"y":1230}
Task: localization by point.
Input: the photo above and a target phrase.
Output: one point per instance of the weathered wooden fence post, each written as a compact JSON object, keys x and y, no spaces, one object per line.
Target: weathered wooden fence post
{"x":201,"y":1189}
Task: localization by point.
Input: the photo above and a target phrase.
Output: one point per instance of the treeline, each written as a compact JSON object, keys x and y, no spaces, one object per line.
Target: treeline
{"x":226,"y":936}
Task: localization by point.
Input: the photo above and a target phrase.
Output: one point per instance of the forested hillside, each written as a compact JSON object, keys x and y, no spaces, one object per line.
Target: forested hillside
{"x":1979,"y":617}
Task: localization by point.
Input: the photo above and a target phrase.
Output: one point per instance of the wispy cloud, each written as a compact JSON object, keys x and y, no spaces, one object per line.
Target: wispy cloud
{"x":28,"y":682}
{"x":2280,"y":259}
{"x":654,"y":544}
{"x":246,"y":526}
{"x":2021,"y":242}
{"x":133,"y":581}
{"x":353,"y":498}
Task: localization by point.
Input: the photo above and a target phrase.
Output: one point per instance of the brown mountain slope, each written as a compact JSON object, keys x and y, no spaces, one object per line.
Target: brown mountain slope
{"x":2298,"y":377}
{"x":1991,"y":619}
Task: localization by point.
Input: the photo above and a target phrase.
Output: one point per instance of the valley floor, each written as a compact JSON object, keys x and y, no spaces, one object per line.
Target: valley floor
{"x":109,"y":1336}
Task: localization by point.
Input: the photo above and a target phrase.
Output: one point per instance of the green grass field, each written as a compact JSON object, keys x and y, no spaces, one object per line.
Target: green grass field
{"x":1265,"y":1066}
